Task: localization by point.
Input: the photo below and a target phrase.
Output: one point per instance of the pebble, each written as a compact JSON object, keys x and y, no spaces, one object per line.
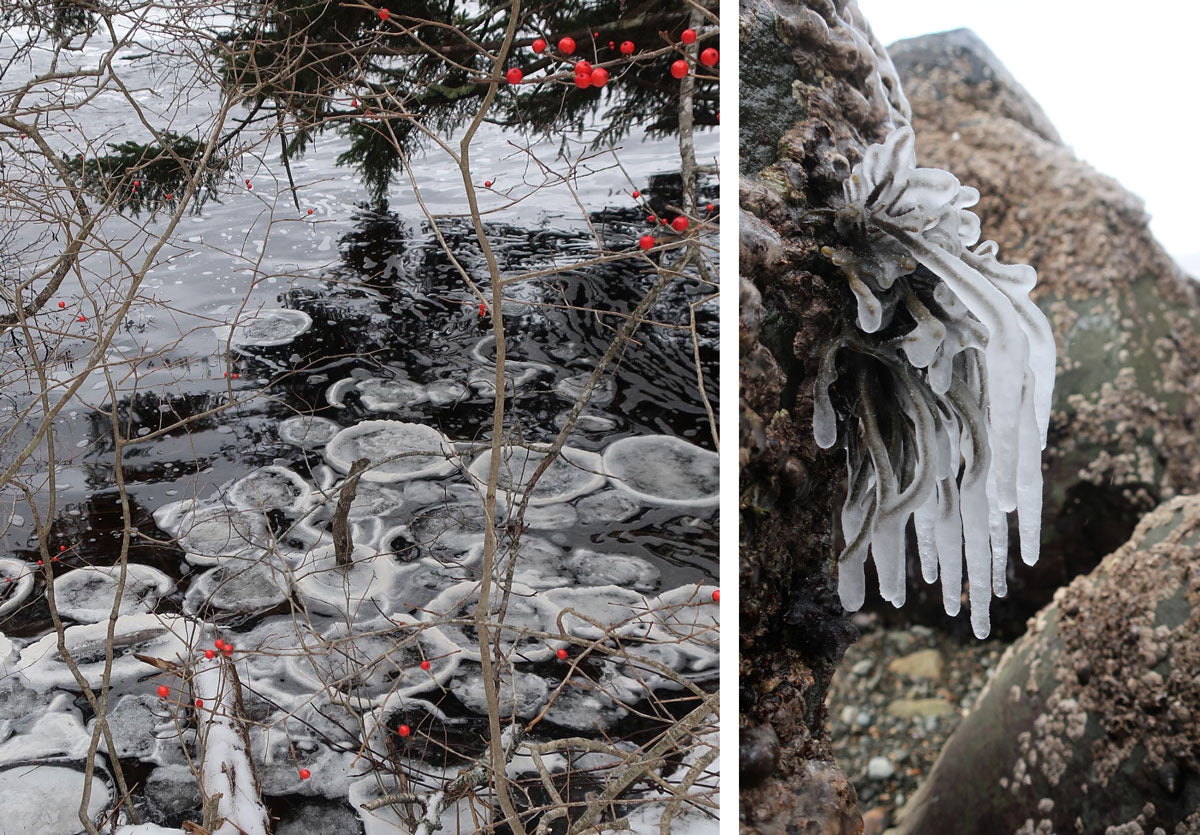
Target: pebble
{"x":862,"y":667}
{"x":880,"y":768}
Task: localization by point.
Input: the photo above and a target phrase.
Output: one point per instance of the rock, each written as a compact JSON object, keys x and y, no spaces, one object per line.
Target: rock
{"x":926,"y":663}
{"x":880,"y":768}
{"x":819,"y":92}
{"x":863,"y":667}
{"x":1126,"y":319}
{"x":875,"y":821}
{"x":919,"y":708}
{"x":1094,"y":708}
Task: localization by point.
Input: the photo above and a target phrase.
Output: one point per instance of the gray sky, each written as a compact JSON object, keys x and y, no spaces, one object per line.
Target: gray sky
{"x":1120,"y":88}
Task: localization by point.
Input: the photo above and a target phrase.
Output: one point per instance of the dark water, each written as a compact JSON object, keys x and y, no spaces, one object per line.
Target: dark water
{"x":393,"y":306}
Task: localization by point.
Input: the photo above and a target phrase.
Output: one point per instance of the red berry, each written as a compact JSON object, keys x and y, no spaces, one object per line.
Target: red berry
{"x":199,"y":702}
{"x":583,"y":67}
{"x":709,"y":207}
{"x":404,"y":730}
{"x":425,"y":665}
{"x":646,"y":242}
{"x":305,"y":774}
{"x":82,"y":318}
{"x":612,"y":45}
{"x":209,"y":654}
{"x":599,"y":77}
{"x":137,"y":183}
{"x":636,"y":194}
{"x":62,"y":548}
{"x":627,"y":47}
{"x":220,"y":643}
{"x":583,"y":81}
{"x":680,"y":224}
{"x":247,"y":181}
{"x":539,"y":46}
{"x":679,"y":69}
{"x":61,"y":305}
{"x":248,"y":186}
{"x":562,"y":654}
{"x":595,"y":34}
{"x":39,"y":562}
{"x":163,"y":691}
{"x":514,"y":75}
{"x":384,"y":14}
{"x":566,"y":46}
{"x":716,"y":595}
{"x":688,"y":36}
{"x":709,"y":57}
{"x":227,"y":650}
{"x":310,"y":211}
{"x":482,"y":309}
{"x":652,"y":219}
{"x":487,"y":183}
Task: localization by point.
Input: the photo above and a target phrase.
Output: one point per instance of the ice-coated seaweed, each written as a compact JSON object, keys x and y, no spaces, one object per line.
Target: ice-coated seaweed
{"x":949,"y":369}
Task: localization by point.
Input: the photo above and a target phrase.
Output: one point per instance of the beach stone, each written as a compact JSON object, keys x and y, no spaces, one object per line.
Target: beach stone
{"x":880,"y":768}
{"x":925,"y":663}
{"x":919,"y":708}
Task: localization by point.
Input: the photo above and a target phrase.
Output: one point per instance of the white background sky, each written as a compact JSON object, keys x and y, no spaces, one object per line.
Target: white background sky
{"x":1120,"y":87}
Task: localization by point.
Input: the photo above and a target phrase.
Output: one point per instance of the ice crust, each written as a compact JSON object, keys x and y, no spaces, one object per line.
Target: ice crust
{"x":398,"y":451}
{"x":664,"y":470}
{"x":266,"y":329}
{"x":86,"y":594}
{"x":574,"y":473}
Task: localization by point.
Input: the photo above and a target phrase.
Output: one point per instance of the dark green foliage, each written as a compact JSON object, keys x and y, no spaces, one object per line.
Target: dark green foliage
{"x":325,"y":66}
{"x":60,"y":19}
{"x":139,"y":176}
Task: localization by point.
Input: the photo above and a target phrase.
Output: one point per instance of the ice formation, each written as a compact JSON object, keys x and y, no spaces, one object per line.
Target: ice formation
{"x":86,"y":594}
{"x":307,"y":431}
{"x":528,"y":616}
{"x":366,"y":585}
{"x":953,"y":370}
{"x":165,"y":636}
{"x":209,"y":532}
{"x":664,"y":470}
{"x":398,"y":451}
{"x":269,"y":488}
{"x":16,"y":584}
{"x":25,"y":791}
{"x":574,"y":473}
{"x":237,"y":586}
{"x":266,"y":329}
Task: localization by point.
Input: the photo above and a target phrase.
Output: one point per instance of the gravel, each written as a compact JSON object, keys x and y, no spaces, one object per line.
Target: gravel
{"x":888,"y":727}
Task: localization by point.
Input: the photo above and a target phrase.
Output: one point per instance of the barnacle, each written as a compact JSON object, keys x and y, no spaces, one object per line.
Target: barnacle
{"x":949,"y":374}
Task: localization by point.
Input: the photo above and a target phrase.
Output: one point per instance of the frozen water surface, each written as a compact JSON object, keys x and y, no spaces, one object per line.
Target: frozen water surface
{"x":397,"y":451}
{"x":266,"y":329}
{"x":87,"y":594}
{"x":664,"y":470}
{"x":33,"y":799}
{"x":574,"y":473}
{"x":269,"y":488}
{"x":308,"y":431}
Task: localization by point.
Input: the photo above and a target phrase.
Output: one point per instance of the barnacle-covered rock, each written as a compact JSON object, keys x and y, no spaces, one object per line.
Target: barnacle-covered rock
{"x":820,"y":91}
{"x":1090,"y":719}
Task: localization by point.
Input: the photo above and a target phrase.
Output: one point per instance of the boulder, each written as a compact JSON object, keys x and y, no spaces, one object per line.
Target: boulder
{"x":1091,"y":719}
{"x":1125,"y":318}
